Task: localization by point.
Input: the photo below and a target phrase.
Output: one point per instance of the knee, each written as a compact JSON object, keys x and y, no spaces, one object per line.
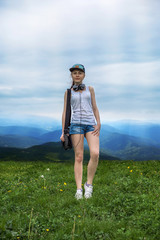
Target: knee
{"x":79,"y":157}
{"x":95,"y":155}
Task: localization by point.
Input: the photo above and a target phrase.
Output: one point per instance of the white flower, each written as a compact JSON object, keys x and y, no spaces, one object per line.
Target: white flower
{"x":48,"y":169}
{"x":42,"y":176}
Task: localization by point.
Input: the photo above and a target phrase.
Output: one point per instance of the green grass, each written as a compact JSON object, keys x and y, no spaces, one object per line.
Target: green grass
{"x":125,"y":203}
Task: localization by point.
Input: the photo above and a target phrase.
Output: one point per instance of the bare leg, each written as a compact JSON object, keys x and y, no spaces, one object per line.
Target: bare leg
{"x":93,"y":143}
{"x":78,"y":142}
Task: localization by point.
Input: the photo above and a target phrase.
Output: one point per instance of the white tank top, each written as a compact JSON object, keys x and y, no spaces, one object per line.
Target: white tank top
{"x":81,"y":105}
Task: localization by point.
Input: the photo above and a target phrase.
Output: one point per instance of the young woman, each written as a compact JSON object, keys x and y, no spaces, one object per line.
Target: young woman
{"x":83,"y":124}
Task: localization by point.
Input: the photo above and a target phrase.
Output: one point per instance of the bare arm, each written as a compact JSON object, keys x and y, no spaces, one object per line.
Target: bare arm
{"x":95,"y":109}
{"x":64,"y":115}
{"x":64,"y":111}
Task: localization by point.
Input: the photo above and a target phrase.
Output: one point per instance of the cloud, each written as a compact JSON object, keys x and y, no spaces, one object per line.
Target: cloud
{"x":56,"y":26}
{"x":117,"y":41}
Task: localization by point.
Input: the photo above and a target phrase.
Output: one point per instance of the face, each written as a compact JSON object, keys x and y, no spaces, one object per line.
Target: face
{"x":77,"y":76}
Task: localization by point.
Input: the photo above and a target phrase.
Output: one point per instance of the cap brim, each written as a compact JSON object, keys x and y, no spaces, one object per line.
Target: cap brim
{"x":71,"y":69}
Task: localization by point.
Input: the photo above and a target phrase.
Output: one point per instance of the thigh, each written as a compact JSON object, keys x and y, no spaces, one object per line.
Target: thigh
{"x":78,"y":142}
{"x":93,"y":142}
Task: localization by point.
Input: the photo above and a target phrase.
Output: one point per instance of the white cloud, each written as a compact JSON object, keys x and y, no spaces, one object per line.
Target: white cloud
{"x":58,"y":25}
{"x":117,"y":41}
{"x":140,"y":74}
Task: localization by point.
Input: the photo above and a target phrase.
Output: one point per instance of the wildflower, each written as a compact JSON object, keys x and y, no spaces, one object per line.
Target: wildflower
{"x":48,"y":169}
{"x":42,"y":176}
{"x":65,"y":183}
{"x":47,"y":230}
{"x":79,"y":216}
{"x":10,"y":191}
{"x":18,"y":237}
{"x":131,"y":170}
{"x":141,"y":173}
{"x":128,"y":167}
{"x":61,"y":190}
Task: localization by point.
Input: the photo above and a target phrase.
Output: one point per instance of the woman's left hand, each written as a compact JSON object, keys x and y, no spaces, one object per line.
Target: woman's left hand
{"x":96,"y":130}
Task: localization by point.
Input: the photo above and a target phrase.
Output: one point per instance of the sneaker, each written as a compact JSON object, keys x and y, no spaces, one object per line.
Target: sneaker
{"x":88,"y":191}
{"x":79,"y":194}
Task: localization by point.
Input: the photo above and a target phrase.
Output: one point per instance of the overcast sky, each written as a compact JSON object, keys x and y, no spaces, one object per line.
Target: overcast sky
{"x":118,"y":42}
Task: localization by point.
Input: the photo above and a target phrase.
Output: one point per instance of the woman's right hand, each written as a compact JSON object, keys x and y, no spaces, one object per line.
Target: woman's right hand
{"x":62,"y":137}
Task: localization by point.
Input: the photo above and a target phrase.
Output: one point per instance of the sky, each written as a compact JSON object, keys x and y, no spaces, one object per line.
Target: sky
{"x":117,"y":41}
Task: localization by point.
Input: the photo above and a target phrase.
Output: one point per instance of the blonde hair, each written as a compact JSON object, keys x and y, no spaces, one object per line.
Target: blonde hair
{"x":72,"y":84}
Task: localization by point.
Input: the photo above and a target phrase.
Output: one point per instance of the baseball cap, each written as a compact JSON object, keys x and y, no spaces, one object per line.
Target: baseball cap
{"x":78,"y":67}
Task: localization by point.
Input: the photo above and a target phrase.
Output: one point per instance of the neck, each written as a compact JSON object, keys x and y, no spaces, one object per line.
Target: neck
{"x":77,"y":83}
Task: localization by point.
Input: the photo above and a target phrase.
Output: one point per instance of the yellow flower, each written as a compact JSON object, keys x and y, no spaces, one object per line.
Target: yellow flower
{"x":47,"y":230}
{"x":131,"y":170}
{"x":9,"y":191}
{"x":65,"y":183}
{"x":18,"y":237}
{"x":128,"y":167}
{"x":141,"y":173}
{"x":79,"y":216}
{"x":61,"y":190}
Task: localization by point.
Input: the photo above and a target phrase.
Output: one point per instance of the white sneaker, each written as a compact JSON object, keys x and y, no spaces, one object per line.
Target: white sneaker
{"x":79,"y":194}
{"x":88,"y":191}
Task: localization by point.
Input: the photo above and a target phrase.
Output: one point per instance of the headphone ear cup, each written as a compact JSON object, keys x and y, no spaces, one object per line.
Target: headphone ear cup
{"x":82,"y":86}
{"x":75,"y":88}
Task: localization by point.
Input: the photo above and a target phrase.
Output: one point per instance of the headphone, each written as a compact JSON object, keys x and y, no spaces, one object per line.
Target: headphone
{"x":78,"y":87}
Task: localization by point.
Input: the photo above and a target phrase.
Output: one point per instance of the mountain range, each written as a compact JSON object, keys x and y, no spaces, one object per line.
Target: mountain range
{"x":52,"y":151}
{"x":122,"y":140}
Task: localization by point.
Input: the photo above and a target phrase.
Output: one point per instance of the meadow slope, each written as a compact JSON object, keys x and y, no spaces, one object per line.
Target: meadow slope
{"x":37,"y":202}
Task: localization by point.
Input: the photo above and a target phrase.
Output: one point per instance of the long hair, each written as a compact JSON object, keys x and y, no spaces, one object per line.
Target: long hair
{"x":72,"y":84}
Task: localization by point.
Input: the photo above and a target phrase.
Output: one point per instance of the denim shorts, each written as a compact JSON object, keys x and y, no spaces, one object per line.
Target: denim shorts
{"x":76,"y":128}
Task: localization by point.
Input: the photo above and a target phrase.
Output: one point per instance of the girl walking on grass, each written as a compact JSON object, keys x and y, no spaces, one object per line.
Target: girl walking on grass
{"x":83,"y":124}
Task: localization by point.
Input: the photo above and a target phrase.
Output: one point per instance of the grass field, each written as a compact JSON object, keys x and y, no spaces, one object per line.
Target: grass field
{"x":37,"y":202}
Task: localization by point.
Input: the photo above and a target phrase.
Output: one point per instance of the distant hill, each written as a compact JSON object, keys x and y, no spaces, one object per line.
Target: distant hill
{"x":22,"y":131}
{"x":139,"y":129}
{"x":113,"y":140}
{"x":53,"y":136}
{"x":45,"y":152}
{"x":19,"y":141}
{"x":130,"y":147}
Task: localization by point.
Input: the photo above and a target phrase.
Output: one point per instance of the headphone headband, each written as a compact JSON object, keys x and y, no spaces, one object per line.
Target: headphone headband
{"x":79,"y":87}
